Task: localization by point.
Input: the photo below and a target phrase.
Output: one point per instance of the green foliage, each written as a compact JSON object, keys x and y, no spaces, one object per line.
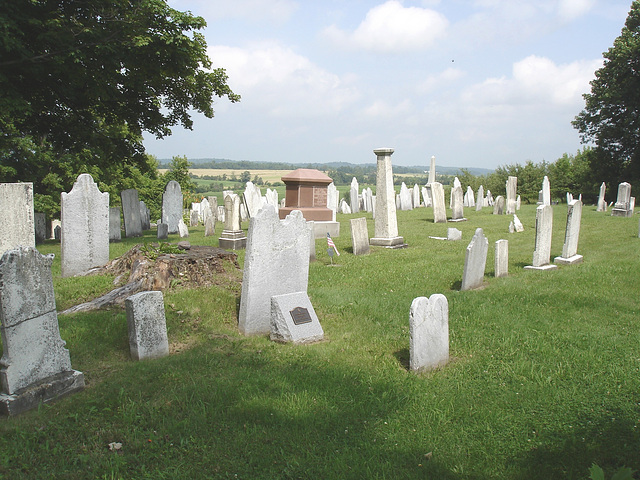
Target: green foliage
{"x":154,"y":250}
{"x":611,"y":118}
{"x":179,"y":171}
{"x":623,"y":473}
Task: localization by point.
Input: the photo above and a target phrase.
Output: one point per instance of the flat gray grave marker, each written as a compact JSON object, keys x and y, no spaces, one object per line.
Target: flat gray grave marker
{"x":16,"y":216}
{"x":147,"y":325}
{"x":172,"y":203}
{"x":359,"y":236}
{"x":115,"y":227}
{"x":293,"y":319}
{"x":475,"y":261}
{"x":429,"y":333}
{"x":131,"y":213}
{"x":163,"y":231}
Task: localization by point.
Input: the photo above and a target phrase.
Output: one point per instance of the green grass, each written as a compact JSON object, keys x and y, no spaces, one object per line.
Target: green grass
{"x":543,"y":382}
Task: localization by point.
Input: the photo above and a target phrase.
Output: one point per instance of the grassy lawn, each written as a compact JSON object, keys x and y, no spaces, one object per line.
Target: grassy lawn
{"x":544,"y":378}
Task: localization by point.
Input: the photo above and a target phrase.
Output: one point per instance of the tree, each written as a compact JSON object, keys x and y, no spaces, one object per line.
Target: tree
{"x":179,"y":171}
{"x":611,"y":118}
{"x":81,"y":81}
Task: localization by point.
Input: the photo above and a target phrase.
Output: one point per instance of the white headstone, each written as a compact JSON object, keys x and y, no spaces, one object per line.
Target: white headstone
{"x":546,"y":191}
{"x":572,"y":233}
{"x":16,"y":216}
{"x":293,"y":319}
{"x":501,"y":261}
{"x":542,"y":251}
{"x":498,"y":206}
{"x":429,"y":332}
{"x":439,"y":209}
{"x":475,"y":261}
{"x":480,"y":198}
{"x":622,"y":207}
{"x":252,"y":199}
{"x":517,"y":224}
{"x":512,"y":185}
{"x":276,"y":262}
{"x":457,"y":204}
{"x":602,"y":204}
{"x":147,"y":325}
{"x":359,"y":236}
{"x":354,"y":202}
{"x":416,"y":196}
{"x":454,"y":234}
{"x":406,"y":197}
{"x":471,"y":198}
{"x":182,"y":229}
{"x":84,"y":212}
{"x":333,"y":199}
{"x":344,"y":207}
{"x":432,"y":170}
{"x":172,"y":204}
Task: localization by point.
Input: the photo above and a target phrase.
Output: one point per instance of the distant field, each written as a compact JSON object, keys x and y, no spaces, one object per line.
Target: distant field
{"x":270,"y":176}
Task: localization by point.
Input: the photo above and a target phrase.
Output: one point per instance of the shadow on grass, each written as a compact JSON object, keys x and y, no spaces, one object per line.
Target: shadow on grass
{"x":403,"y":357}
{"x":611,"y":444}
{"x":457,"y":285}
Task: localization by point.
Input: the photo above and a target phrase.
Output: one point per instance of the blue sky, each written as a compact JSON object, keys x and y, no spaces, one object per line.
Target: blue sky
{"x":477,"y":83}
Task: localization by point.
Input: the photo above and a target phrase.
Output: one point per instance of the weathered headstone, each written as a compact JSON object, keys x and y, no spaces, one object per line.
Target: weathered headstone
{"x":145,"y":216}
{"x":406,"y":197}
{"x":518,"y":202}
{"x":253,"y":199}
{"x":344,"y":207}
{"x":115,"y":229}
{"x":480,"y":198}
{"x":439,"y":208}
{"x":572,"y":233}
{"x":498,"y":206}
{"x":622,"y":207}
{"x":426,"y":196}
{"x":84,"y":212}
{"x":130,"y":212}
{"x":172,"y":204}
{"x":489,"y":199}
{"x":454,"y":234}
{"x":457,"y":203}
{"x":512,"y":186}
{"x":416,"y":195}
{"x":471,"y":199}
{"x":542,"y":250}
{"x":183,"y":230}
{"x":40,"y":226}
{"x":333,"y":199}
{"x":210,"y":226}
{"x":57,"y":232}
{"x":147,"y":326}
{"x":354,"y":203}
{"x":429,"y":332}
{"x":475,"y":261}
{"x":602,"y":204}
{"x":233,"y":237}
{"x":276,"y":263}
{"x":163,"y":231}
{"x":546,"y":191}
{"x":359,"y":236}
{"x":517,"y":224}
{"x":432,"y":170}
{"x":35,"y":363}
{"x":16,"y":216}
{"x":55,"y":223}
{"x":194,"y":217}
{"x":386,"y":222}
{"x":293,"y":319}
{"x":501,"y":260}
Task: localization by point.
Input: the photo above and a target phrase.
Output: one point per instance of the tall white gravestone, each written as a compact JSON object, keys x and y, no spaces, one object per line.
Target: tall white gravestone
{"x":353,"y":195}
{"x":475,"y":261}
{"x":512,"y":186}
{"x":35,"y":365}
{"x":501,"y":260}
{"x":233,"y":237}
{"x":546,"y":191}
{"x":172,"y":203}
{"x":572,"y":233}
{"x":432,"y":170}
{"x":16,"y":216}
{"x":84,"y":213}
{"x":333,"y":199}
{"x":386,"y":222}
{"x":542,"y":249}
{"x":602,"y":204}
{"x":457,"y":203}
{"x":429,"y":333}
{"x":622,"y":207}
{"x":276,"y":262}
{"x":480,"y":198}
{"x":439,"y":208}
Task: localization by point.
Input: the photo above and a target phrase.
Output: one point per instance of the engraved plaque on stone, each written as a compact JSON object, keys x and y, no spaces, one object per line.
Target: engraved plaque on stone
{"x":300,"y":316}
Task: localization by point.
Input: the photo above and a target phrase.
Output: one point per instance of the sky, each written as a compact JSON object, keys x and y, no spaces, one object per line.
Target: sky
{"x":476,"y":83}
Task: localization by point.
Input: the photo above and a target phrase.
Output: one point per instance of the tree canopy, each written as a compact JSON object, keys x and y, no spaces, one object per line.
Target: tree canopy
{"x":81,"y":81}
{"x":611,"y":118}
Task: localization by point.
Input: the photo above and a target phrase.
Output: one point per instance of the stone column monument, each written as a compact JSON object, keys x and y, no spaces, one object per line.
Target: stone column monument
{"x":386,"y":223}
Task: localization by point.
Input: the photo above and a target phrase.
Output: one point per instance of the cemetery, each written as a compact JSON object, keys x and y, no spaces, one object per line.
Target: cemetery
{"x":442,"y":359}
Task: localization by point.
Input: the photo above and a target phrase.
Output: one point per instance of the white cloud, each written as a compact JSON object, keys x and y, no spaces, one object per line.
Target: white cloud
{"x":391,"y":28}
{"x":381,"y":108}
{"x":274,"y":78}
{"x":571,"y":9}
{"x":441,"y":79}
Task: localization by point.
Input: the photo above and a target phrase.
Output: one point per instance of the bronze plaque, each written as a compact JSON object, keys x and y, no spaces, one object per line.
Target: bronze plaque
{"x":300,"y":316}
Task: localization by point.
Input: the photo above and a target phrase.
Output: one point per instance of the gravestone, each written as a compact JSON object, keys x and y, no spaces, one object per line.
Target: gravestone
{"x":457,"y":204}
{"x":293,"y":319}
{"x":367,"y":195}
{"x":172,"y":204}
{"x":147,"y":325}
{"x":480,"y":198}
{"x":205,"y":210}
{"x":84,"y":241}
{"x":426,"y":196}
{"x":333,"y":200}
{"x":55,"y":223}
{"x":194,"y":217}
{"x":232,"y":236}
{"x":488,"y":201}
{"x":416,"y":195}
{"x":271,"y":197}
{"x":475,"y":261}
{"x":432,"y":170}
{"x":542,"y":250}
{"x":115,"y":229}
{"x":518,"y":202}
{"x":57,"y":232}
{"x":501,"y":260}
{"x":471,"y":199}
{"x":344,"y":207}
{"x":210,"y":226}
{"x":359,"y":236}
{"x":312,"y":241}
{"x":454,"y":234}
{"x":572,"y":233}
{"x":276,"y":263}
{"x":456,"y":183}
{"x":428,"y":332}
{"x":437,"y":197}
{"x":163,"y":231}
{"x":498,"y":206}
{"x":16,"y":216}
{"x":386,"y":222}
{"x":183,"y":231}
{"x":622,"y":207}
{"x":602,"y":204}
{"x":354,"y":201}
{"x":130,"y":212}
{"x":145,"y":216}
{"x":546,"y":191}
{"x":252,"y":199}
{"x":512,"y":185}
{"x":35,"y":363}
{"x":406,"y":198}
{"x":517,"y":224}
{"x":40,"y":227}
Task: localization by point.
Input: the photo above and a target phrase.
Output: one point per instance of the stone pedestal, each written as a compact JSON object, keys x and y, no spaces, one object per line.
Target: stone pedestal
{"x":232,"y":239}
{"x":622,"y":207}
{"x":307,"y":192}
{"x":386,"y":222}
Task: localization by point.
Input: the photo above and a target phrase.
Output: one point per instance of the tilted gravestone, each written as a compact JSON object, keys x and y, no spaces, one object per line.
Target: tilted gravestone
{"x":35,"y":363}
{"x":115,"y":229}
{"x":147,"y":325}
{"x":359,"y":236}
{"x":84,"y":212}
{"x":602,"y":204}
{"x":172,"y":203}
{"x":453,"y":234}
{"x":439,"y":208}
{"x":16,"y":216}
{"x":572,"y":233}
{"x":542,"y":249}
{"x":276,"y":262}
{"x":498,"y":206}
{"x":183,"y":230}
{"x":429,"y":333}
{"x":293,"y":319}
{"x":475,"y":261}
{"x":501,"y":261}
{"x":131,"y":213}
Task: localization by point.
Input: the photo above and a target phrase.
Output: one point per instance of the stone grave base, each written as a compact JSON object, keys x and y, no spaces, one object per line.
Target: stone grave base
{"x":320,"y":229}
{"x":457,"y":220}
{"x":568,"y":261}
{"x":232,"y":240}
{"x":621,"y":212}
{"x":391,"y":242}
{"x":543,"y":267}
{"x":45,"y":391}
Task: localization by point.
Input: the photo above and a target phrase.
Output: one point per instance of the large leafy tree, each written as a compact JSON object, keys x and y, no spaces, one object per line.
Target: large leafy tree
{"x":611,"y":118}
{"x":80,"y":81}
